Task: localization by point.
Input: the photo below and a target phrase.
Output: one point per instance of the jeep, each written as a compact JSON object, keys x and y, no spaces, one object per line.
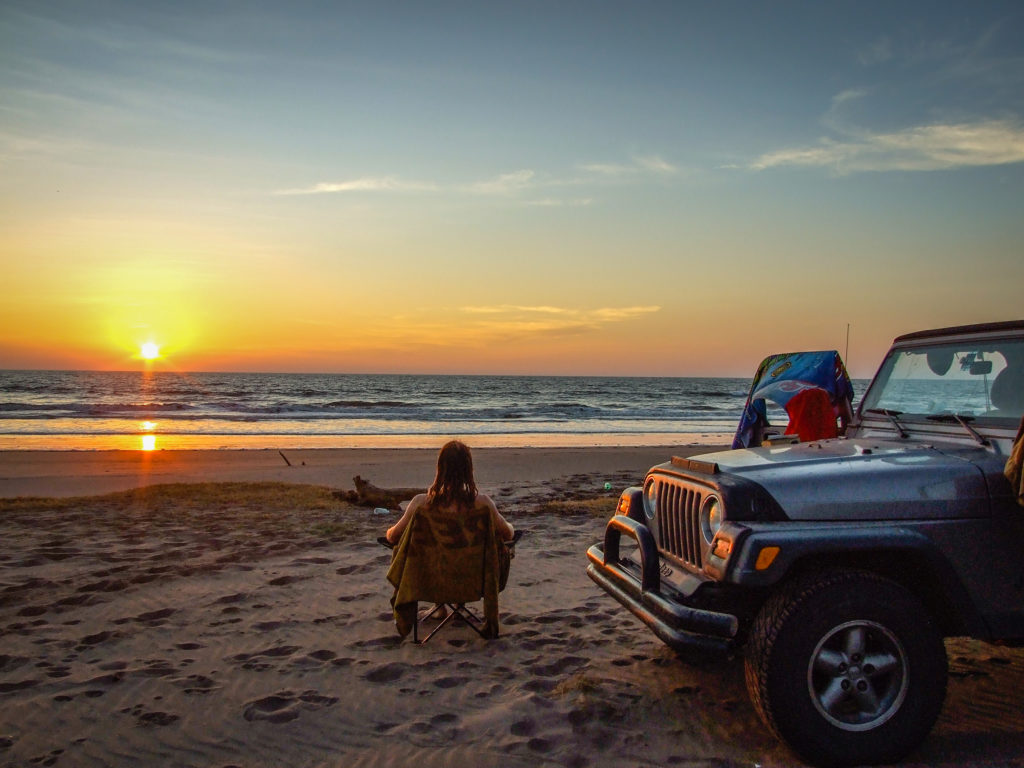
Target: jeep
{"x":837,"y":567}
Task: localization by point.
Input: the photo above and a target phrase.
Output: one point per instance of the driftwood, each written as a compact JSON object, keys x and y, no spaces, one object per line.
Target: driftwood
{"x":367,"y":494}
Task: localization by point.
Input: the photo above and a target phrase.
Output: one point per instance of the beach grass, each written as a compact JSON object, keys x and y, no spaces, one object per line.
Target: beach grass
{"x":266,"y":508}
{"x":600,"y":506}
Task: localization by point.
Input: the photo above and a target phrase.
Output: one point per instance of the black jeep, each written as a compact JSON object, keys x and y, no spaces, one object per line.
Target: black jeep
{"x":839,"y":565}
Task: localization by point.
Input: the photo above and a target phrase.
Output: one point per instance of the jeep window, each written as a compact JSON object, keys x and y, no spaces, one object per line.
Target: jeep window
{"x":979,"y":381}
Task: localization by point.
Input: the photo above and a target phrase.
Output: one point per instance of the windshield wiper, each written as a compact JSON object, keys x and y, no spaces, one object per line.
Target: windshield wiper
{"x":963,"y":421}
{"x":892,"y":416}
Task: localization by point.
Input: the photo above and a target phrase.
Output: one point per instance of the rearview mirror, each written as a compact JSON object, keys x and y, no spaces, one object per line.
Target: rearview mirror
{"x":981,"y":368}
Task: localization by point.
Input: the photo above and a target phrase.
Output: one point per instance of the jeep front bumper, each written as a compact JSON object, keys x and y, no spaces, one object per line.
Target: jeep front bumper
{"x":678,"y":625}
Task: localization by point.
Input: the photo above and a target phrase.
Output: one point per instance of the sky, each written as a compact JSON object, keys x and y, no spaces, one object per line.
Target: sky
{"x":634,"y":188}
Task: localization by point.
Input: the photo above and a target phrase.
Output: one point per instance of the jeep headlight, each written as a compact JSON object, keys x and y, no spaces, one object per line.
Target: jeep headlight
{"x":650,"y":499}
{"x":711,"y":517}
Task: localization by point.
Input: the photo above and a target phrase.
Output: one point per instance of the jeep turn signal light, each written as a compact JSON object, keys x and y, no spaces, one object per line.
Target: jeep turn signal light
{"x":623,"y":505}
{"x":765,"y":558}
{"x":722,"y":548}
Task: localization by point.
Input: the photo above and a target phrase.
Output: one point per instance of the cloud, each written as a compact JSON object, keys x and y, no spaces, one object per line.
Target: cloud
{"x":924,"y":148}
{"x":614,"y":314}
{"x":511,"y":320}
{"x":644,"y":164}
{"x":366,"y":184}
{"x":521,"y":184}
{"x":505,"y":184}
{"x":655,"y":164}
{"x":509,"y":308}
{"x":553,"y":202}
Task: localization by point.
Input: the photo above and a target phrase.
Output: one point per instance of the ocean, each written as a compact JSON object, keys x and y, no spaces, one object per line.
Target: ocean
{"x":54,"y":410}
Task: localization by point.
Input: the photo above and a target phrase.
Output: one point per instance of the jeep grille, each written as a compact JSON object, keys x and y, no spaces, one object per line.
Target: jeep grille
{"x":678,"y":516}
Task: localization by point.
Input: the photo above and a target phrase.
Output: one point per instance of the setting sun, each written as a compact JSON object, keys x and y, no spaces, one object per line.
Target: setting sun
{"x":150,"y":351}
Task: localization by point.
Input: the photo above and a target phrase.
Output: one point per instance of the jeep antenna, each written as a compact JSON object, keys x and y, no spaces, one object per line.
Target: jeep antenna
{"x":846,"y":354}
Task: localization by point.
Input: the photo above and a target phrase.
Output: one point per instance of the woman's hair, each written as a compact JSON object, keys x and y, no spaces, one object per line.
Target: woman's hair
{"x":454,"y":482}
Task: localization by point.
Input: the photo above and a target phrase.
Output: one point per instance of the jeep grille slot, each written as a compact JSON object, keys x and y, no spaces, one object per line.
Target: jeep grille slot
{"x":679,"y":522}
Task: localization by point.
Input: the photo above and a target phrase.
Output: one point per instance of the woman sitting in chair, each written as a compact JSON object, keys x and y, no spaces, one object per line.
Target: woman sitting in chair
{"x":453,"y":493}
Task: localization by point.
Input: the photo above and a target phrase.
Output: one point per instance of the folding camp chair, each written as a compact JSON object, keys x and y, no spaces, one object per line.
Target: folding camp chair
{"x":449,"y":561}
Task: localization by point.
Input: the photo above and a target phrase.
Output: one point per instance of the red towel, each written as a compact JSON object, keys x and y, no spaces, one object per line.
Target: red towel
{"x":811,"y":416}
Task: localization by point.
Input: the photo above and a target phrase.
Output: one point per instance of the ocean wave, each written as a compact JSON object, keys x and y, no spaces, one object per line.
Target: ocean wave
{"x":53,"y":402}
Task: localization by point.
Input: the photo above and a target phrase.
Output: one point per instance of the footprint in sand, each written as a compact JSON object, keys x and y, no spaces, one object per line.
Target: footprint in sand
{"x":91,"y":640}
{"x":8,"y":663}
{"x":154,"y":617}
{"x":281,"y":581}
{"x":155,"y":719}
{"x":346,"y":570}
{"x":386,"y":673}
{"x":198,"y":684}
{"x":285,"y":706}
{"x":106,"y":585}
{"x":360,"y":596}
{"x":265,"y":626}
{"x":323,"y":655}
{"x":558,"y":667}
{"x":231,"y":599}
{"x":275,"y":709}
{"x":523,"y":727}
{"x":450,"y":682}
{"x":21,"y":685}
{"x":311,"y":561}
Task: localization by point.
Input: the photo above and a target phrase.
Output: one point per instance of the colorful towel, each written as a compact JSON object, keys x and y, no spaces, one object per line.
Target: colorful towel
{"x":444,"y":558}
{"x":780,"y":378}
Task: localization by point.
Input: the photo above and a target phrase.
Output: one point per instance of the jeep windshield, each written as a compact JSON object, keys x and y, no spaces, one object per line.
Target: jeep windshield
{"x":974,"y":381}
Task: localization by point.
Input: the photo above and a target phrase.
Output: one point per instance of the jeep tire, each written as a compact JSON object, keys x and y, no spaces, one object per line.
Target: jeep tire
{"x":847,"y":667}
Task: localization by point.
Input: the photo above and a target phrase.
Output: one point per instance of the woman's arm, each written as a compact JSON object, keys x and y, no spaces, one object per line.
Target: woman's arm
{"x":395,"y":531}
{"x":502,"y":526}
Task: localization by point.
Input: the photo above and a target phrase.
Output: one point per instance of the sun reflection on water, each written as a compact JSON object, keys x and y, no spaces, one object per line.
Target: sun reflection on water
{"x":148,"y":440}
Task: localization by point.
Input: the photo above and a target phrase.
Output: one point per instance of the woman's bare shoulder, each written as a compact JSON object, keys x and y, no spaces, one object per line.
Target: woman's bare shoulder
{"x":419,"y":501}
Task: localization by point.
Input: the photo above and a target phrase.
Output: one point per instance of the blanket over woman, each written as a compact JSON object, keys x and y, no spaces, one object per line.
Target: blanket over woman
{"x":445,"y":558}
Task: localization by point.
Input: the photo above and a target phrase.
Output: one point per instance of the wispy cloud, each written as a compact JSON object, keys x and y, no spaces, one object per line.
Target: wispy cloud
{"x":505,"y":184}
{"x":639,"y":164}
{"x":513,"y":308}
{"x":524,"y":185}
{"x":366,"y":184}
{"x":923,"y":148}
{"x":555,"y":202}
{"x":511,"y":320}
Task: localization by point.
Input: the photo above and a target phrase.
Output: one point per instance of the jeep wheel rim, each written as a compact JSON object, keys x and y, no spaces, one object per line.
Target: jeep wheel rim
{"x":858,"y":675}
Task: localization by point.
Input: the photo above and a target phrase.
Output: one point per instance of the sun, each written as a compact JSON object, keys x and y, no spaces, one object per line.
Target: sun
{"x":150,"y":351}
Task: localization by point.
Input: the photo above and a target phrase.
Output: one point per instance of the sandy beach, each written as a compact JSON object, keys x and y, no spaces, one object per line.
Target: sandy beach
{"x":222,"y":608}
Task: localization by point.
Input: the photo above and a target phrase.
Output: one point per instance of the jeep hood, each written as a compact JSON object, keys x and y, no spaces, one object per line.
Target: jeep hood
{"x":852,"y":479}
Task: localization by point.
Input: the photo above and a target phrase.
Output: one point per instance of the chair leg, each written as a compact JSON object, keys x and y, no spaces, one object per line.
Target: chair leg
{"x":451,"y":615}
{"x":460,"y":611}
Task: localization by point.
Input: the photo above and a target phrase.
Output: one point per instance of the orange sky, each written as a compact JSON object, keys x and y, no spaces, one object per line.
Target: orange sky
{"x":306,"y":192}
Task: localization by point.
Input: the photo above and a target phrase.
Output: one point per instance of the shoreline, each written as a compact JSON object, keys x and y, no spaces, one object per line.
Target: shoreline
{"x":88,"y":473}
{"x":156,"y":441}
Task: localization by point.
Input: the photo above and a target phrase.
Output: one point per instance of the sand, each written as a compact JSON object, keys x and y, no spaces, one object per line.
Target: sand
{"x":231,"y":623}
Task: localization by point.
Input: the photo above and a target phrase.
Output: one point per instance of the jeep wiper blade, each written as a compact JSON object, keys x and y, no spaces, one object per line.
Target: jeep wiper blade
{"x":964,"y":421}
{"x":892,"y":416}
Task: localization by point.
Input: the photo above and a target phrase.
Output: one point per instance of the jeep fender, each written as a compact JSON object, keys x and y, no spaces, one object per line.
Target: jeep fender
{"x":898,"y":552}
